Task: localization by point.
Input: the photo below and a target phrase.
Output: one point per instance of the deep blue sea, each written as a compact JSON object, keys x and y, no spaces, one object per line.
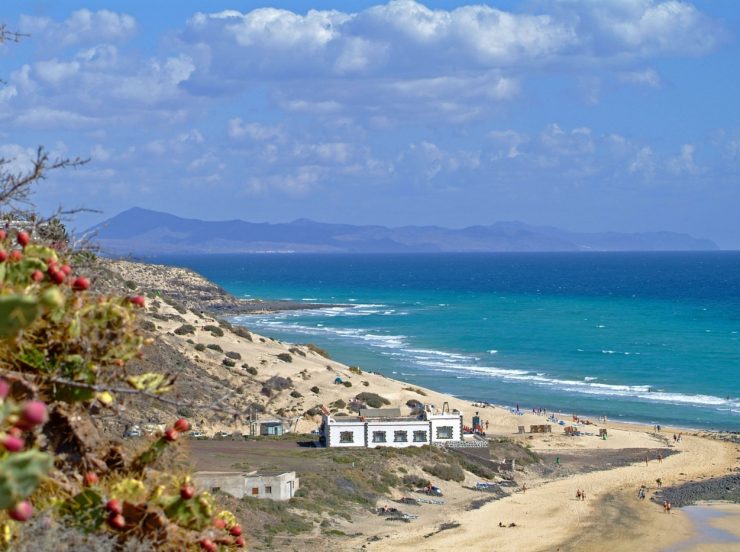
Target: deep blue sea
{"x":651,"y":337}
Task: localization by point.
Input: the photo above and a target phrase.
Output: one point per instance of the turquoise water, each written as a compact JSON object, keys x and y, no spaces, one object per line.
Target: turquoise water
{"x":652,"y":337}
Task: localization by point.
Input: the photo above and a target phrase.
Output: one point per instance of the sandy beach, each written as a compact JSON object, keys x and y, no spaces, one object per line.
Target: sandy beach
{"x":547,"y":516}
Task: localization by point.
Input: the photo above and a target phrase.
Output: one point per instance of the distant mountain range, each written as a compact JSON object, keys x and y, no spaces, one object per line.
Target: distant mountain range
{"x":143,"y":232}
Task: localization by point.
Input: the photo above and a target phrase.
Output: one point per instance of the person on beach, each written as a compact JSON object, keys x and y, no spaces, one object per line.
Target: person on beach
{"x":659,"y":481}
{"x":641,"y":493}
{"x":665,"y":506}
{"x":578,"y":494}
{"x":668,"y":508}
{"x":646,"y":460}
{"x":524,"y":488}
{"x":660,"y":458}
{"x":557,"y":461}
{"x":583,"y":495}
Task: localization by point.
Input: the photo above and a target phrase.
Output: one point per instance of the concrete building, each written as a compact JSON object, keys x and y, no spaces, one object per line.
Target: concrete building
{"x":375,"y":428}
{"x":275,"y":486}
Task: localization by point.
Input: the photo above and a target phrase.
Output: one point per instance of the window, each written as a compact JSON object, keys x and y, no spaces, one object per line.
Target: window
{"x":379,"y":437}
{"x":268,"y":489}
{"x":255,"y":490}
{"x":400,"y":436}
{"x":420,"y":436}
{"x":346,"y":437}
{"x":444,"y":432}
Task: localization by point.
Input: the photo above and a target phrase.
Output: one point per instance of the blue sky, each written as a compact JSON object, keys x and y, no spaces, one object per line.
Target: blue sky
{"x":590,"y":116}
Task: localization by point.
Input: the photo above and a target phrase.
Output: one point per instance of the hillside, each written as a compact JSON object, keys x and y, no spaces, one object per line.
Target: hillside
{"x":144,"y":232}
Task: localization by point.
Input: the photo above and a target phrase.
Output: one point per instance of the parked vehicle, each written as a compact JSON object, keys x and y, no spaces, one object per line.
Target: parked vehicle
{"x":197,"y":435}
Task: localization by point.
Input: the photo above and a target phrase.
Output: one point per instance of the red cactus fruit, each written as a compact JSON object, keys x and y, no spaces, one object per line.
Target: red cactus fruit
{"x":91,"y":478}
{"x":114,"y":506}
{"x":21,"y":511}
{"x":239,"y":542}
{"x":66,"y":269}
{"x":138,"y":300}
{"x":187,"y":492}
{"x":33,"y":414}
{"x":236,"y":530}
{"x":37,"y":275}
{"x":23,"y":239}
{"x":208,"y":545}
{"x":3,"y":233}
{"x":56,"y":275}
{"x":117,"y":521}
{"x":80,"y":284}
{"x":182,"y":425}
{"x":16,"y":256}
{"x":171,"y":434}
{"x":4,"y":388}
{"x":3,"y":255}
{"x":218,"y":523}
{"x":13,"y":443}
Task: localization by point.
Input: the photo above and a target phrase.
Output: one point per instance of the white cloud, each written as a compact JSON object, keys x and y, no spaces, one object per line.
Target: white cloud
{"x":643,"y":162}
{"x":684,"y":161}
{"x":82,"y":27}
{"x":237,"y":129}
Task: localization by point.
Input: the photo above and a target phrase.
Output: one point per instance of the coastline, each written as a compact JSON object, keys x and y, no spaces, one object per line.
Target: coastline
{"x":547,"y":516}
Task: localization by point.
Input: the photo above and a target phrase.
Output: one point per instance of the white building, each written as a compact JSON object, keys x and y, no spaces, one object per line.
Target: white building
{"x":380,"y":428}
{"x":275,"y":487}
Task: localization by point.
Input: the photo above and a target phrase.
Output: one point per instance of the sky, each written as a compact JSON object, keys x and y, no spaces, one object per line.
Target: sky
{"x":589,"y":116}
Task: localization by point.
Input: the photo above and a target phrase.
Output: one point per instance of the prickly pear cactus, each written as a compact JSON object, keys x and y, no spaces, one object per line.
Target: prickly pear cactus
{"x":16,"y":313}
{"x":20,"y":474}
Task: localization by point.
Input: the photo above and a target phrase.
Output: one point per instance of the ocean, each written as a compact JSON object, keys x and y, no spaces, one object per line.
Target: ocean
{"x":649,"y":337}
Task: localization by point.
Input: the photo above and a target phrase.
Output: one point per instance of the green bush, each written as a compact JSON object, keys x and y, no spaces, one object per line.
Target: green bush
{"x":215,"y":347}
{"x":448,"y":472}
{"x":148,"y":325}
{"x":185,"y":329}
{"x":234,"y":355}
{"x":315,"y":389}
{"x":414,"y":481}
{"x":215,"y":330}
{"x":228,"y":362}
{"x":373,"y":400}
{"x":285,"y":357}
{"x":200,"y":347}
{"x":296,"y":394}
{"x":339,"y":403}
{"x":355,"y":370}
{"x":347,"y":383}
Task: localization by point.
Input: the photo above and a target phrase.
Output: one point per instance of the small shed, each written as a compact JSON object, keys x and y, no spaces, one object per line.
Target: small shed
{"x":272,"y":428}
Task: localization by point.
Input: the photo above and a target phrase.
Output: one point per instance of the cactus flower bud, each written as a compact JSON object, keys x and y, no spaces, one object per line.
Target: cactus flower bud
{"x":182,"y":425}
{"x":33,"y":414}
{"x":13,"y":443}
{"x":23,"y":239}
{"x":171,"y":434}
{"x":21,"y":511}
{"x":52,"y":298}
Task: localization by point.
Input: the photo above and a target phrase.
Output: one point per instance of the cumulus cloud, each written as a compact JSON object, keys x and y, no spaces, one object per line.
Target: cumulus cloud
{"x":645,"y":77}
{"x":684,"y":161}
{"x":82,"y":27}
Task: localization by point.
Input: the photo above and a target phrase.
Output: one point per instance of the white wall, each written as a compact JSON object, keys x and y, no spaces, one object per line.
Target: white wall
{"x":391,"y":427}
{"x":334,"y":429}
{"x":453,"y":421}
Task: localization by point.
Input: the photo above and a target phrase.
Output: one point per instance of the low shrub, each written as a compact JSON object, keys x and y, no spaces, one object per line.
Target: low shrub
{"x":297,"y":351}
{"x":242,"y":332}
{"x":215,"y":347}
{"x":228,"y":362}
{"x":185,"y":329}
{"x":413,"y":481}
{"x":355,"y":370}
{"x":296,"y":394}
{"x":347,"y":383}
{"x":234,"y":355}
{"x":148,"y":325}
{"x":373,"y":400}
{"x":285,"y":357}
{"x":448,"y":472}
{"x":215,"y":330}
{"x":250,"y":369}
{"x":339,"y":403}
{"x":315,"y":389}
{"x":200,"y":347}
